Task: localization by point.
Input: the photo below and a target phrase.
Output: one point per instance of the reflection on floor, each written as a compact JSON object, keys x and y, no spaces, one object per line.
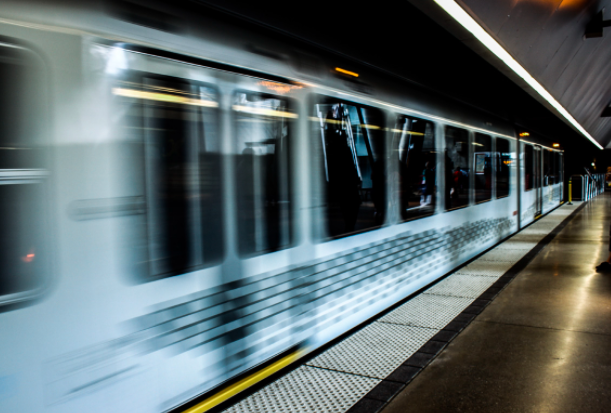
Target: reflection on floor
{"x":542,"y":345}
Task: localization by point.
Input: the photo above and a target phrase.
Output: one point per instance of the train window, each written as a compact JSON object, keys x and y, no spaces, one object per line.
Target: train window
{"x":23,"y":173}
{"x":548,"y":171}
{"x":529,"y":159}
{"x":538,"y":167}
{"x":350,"y":149}
{"x":482,"y":166}
{"x":503,"y":163}
{"x":554,"y":176}
{"x":413,"y":147}
{"x":457,"y":168}
{"x":175,"y":123}
{"x":558,"y":166}
{"x":263,"y":125}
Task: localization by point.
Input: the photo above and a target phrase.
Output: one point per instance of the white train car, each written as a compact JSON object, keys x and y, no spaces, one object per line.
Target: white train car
{"x":185,"y":200}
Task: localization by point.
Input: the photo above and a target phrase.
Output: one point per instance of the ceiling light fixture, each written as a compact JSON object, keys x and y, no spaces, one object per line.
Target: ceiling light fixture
{"x":462,"y":17}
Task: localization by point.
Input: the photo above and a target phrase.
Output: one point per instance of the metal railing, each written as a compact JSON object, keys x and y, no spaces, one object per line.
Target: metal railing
{"x":586,"y":187}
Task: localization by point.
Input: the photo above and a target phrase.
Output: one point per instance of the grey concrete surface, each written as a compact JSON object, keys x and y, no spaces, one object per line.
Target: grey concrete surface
{"x":543,"y":345}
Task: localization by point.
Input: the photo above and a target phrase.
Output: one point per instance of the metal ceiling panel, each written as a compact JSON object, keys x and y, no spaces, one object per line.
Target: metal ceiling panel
{"x":547,"y":38}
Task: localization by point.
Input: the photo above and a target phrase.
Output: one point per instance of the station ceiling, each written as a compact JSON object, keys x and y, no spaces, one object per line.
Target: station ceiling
{"x":418,"y":41}
{"x":547,"y":37}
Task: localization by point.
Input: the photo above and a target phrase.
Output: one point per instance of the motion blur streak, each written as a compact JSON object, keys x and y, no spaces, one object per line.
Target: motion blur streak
{"x":245,"y":383}
{"x":265,"y":112}
{"x":185,"y":216}
{"x":138,"y":94}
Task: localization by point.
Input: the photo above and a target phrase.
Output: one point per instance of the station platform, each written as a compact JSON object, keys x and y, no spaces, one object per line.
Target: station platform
{"x":523,"y":327}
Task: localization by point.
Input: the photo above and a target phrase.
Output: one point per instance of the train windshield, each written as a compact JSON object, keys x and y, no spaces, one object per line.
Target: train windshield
{"x":349,"y":141}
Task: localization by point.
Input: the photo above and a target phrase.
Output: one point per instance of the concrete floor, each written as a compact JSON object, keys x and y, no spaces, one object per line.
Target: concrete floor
{"x":543,"y":345}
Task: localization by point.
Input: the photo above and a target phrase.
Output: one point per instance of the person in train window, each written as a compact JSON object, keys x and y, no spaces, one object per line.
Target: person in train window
{"x":457,"y":182}
{"x":344,"y":181}
{"x":428,"y":185}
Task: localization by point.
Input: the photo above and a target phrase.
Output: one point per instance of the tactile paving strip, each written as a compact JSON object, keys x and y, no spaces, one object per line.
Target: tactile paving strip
{"x":528,"y":237}
{"x":541,"y":229}
{"x":338,"y":378}
{"x":502,"y":256}
{"x":550,"y":223}
{"x":431,"y":311}
{"x":516,"y":244}
{"x":308,"y":389}
{"x":486,"y":268}
{"x":375,"y":351}
{"x":462,"y":285}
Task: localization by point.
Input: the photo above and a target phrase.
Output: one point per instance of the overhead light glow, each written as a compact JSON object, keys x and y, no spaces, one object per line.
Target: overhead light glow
{"x":524,"y":134}
{"x":556,"y":145}
{"x":281,"y":88}
{"x":162,"y":97}
{"x":407,"y":132}
{"x":265,"y":112}
{"x":462,"y":17}
{"x":346,"y":72}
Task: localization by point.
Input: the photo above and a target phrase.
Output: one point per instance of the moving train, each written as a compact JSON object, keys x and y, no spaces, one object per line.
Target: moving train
{"x":185,"y":200}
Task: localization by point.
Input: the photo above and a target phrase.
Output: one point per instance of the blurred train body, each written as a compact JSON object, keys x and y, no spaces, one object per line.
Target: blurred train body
{"x":184,"y":200}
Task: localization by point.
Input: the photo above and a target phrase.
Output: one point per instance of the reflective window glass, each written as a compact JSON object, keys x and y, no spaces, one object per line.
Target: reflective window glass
{"x":23,"y":175}
{"x":559,"y":157}
{"x":263,"y":125}
{"x":457,"y":168}
{"x":538,"y":166}
{"x":504,"y":160}
{"x":549,"y":177}
{"x":413,"y":151}
{"x":170,"y":125}
{"x":529,"y":159}
{"x":350,"y":150}
{"x":482,"y":167}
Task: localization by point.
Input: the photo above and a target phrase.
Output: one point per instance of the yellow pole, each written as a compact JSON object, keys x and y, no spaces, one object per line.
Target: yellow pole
{"x":570,"y":191}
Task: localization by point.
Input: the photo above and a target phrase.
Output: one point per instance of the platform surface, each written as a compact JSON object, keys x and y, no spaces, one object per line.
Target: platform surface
{"x":524,"y":327}
{"x":543,"y":345}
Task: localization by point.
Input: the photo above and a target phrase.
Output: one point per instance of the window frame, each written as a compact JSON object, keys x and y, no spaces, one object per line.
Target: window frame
{"x":321,"y":231}
{"x":293,"y":191}
{"x":532,"y":167}
{"x":496,"y":174}
{"x":42,"y":176}
{"x":393,"y":191}
{"x":469,"y":135}
{"x":492,"y":171}
{"x":137,"y":76}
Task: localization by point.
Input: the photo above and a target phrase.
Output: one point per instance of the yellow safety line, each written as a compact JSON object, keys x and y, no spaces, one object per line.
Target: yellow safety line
{"x":245,"y":383}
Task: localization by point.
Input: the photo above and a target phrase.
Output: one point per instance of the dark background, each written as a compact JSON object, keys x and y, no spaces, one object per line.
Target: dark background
{"x":397,"y":37}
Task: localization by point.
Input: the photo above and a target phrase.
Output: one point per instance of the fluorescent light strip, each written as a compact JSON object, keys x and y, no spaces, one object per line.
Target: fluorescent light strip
{"x":265,"y":112}
{"x":162,"y":97}
{"x":462,"y":17}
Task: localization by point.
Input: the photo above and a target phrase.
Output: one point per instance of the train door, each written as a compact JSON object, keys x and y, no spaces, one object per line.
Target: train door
{"x":538,"y":178}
